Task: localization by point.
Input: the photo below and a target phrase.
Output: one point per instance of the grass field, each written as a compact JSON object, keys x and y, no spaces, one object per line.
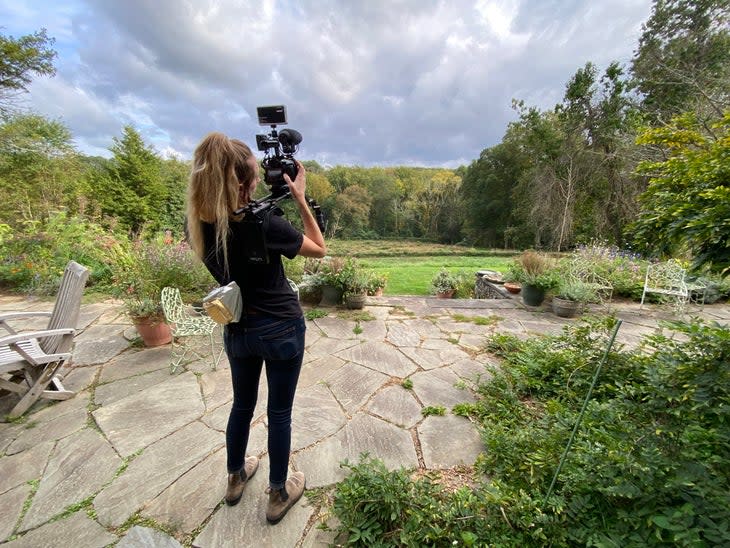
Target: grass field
{"x":410,"y":265}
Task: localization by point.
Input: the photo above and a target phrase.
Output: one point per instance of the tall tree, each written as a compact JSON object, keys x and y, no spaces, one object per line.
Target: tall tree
{"x":686,"y":209}
{"x":578,"y":185}
{"x":20,"y":60}
{"x":546,"y":193}
{"x":603,"y":116}
{"x":39,"y":169}
{"x":174,"y":174}
{"x":435,"y":203}
{"x":132,"y":191}
{"x":352,"y":211}
{"x":384,"y":190}
{"x":486,"y":193}
{"x":683,"y":57}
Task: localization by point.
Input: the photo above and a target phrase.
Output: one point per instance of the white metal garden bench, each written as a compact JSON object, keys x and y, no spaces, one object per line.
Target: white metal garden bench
{"x":669,"y":279}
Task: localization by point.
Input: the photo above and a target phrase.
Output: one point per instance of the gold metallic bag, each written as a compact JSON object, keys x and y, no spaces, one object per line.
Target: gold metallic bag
{"x":224,"y":304}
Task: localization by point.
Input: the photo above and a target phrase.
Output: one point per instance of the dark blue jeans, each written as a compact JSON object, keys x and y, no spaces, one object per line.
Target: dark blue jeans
{"x":280,"y":344}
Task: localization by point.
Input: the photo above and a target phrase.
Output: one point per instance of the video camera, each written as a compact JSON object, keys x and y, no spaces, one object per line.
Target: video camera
{"x":279,"y":149}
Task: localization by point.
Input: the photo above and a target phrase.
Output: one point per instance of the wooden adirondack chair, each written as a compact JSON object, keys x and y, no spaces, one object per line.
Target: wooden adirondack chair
{"x":30,"y":360}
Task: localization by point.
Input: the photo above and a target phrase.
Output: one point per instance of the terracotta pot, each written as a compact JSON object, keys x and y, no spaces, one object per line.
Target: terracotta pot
{"x":446,"y":294}
{"x":153,"y":332}
{"x":512,"y":287}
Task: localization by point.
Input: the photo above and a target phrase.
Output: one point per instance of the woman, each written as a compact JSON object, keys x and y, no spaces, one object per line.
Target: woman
{"x":271,"y":330}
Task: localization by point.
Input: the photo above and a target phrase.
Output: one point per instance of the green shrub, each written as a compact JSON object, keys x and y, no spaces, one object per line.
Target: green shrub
{"x":535,"y":269}
{"x":378,"y":508}
{"x":443,"y":282}
{"x":143,"y":268}
{"x":648,"y":466}
{"x":624,"y":270}
{"x":464,"y":284}
{"x":33,"y":259}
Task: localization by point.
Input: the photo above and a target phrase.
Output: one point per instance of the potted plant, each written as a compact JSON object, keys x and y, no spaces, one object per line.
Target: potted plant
{"x":356,"y":290}
{"x":571,"y":295}
{"x":139,"y":280}
{"x":443,"y":284}
{"x":335,"y":276}
{"x":149,"y":319}
{"x":310,"y":287}
{"x":310,"y":280}
{"x":534,"y":272}
{"x":376,"y":284}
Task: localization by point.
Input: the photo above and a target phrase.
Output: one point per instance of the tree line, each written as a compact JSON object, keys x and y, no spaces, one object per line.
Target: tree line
{"x":574,"y":172}
{"x":588,"y":168}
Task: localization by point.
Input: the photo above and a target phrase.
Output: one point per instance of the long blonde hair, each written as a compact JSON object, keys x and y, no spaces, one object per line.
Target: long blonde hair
{"x":214,"y":191}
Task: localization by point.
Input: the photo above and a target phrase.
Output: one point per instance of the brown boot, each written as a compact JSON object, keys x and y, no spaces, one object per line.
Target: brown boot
{"x":236,"y":482}
{"x":281,"y":500}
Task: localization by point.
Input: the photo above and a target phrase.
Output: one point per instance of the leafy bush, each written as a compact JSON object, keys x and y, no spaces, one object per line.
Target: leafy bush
{"x":346,"y":274}
{"x":379,"y":508}
{"x":143,"y":268}
{"x":648,"y":466}
{"x":575,"y":290}
{"x":464,"y":284}
{"x":625,"y":270}
{"x":460,"y":282}
{"x":33,"y":259}
{"x":443,"y":282}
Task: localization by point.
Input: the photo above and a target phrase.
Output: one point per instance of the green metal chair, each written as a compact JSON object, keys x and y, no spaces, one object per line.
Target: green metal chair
{"x":187,"y":321}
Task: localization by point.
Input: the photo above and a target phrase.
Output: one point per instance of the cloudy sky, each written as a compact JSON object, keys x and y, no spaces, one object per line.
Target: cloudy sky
{"x":366,"y":82}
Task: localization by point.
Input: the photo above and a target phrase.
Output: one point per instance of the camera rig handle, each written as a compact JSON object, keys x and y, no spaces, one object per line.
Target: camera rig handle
{"x":318,"y":214}
{"x":256,"y":208}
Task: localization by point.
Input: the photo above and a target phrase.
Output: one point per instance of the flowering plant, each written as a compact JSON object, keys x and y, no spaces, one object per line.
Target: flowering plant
{"x":376,"y":282}
{"x":144,"y":268}
{"x":338,"y":272}
{"x":443,"y":282}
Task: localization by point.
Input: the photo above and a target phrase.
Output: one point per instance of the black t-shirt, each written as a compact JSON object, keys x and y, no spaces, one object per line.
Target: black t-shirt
{"x":264,"y":287}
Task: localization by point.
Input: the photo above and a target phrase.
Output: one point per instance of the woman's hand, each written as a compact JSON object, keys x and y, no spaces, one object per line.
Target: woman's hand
{"x":313,"y":241}
{"x":299,"y":184}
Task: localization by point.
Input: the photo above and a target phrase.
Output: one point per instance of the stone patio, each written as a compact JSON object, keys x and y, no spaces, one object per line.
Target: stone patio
{"x":137,"y":457}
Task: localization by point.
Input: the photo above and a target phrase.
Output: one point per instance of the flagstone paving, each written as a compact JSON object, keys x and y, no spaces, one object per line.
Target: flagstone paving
{"x":137,"y":457}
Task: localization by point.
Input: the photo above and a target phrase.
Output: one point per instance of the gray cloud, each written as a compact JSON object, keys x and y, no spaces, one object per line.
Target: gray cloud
{"x":369,"y":83}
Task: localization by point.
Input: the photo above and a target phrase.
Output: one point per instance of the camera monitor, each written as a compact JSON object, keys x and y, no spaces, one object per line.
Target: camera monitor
{"x":270,"y":116}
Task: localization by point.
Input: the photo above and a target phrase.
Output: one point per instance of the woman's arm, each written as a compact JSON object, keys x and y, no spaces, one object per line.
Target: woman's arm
{"x":313,"y":242}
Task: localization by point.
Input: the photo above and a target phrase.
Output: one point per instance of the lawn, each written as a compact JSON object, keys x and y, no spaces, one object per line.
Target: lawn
{"x":410,"y":265}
